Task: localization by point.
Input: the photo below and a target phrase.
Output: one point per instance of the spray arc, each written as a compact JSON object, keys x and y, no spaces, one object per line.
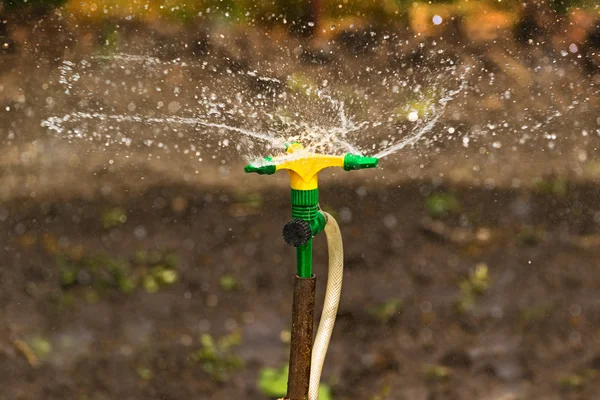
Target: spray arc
{"x":308,"y":220}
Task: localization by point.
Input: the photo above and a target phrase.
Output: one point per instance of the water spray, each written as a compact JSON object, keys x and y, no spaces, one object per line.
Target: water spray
{"x":308,"y":220}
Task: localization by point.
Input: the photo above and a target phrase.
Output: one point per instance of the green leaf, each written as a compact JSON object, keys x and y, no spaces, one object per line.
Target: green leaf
{"x":113,"y":217}
{"x":386,"y":311}
{"x":441,"y":204}
{"x":228,"y":282}
{"x":273,"y":383}
{"x":325,"y":392}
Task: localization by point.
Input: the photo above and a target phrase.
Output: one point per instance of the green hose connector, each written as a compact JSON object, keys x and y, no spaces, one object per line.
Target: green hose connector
{"x":305,"y":206}
{"x":267,"y":169}
{"x":355,"y":161}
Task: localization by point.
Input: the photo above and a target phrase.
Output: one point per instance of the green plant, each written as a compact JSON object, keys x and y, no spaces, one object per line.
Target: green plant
{"x":572,"y":382}
{"x":228,"y":282}
{"x":553,"y":186}
{"x":386,"y":311}
{"x":99,"y":272}
{"x":171,"y":260}
{"x":102,"y":271}
{"x":536,"y":312}
{"x":144,"y":373}
{"x":530,"y":236}
{"x":41,"y":347}
{"x":272,"y":382}
{"x":113,"y":217}
{"x":441,"y":204}
{"x":216,"y":357}
{"x":435,"y":372}
{"x":475,"y":285}
{"x":300,"y":83}
{"x":383,"y":393}
{"x":111,"y":39}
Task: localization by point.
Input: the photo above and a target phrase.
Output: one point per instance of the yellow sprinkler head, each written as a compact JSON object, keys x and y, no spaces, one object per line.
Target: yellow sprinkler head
{"x":304,"y":166}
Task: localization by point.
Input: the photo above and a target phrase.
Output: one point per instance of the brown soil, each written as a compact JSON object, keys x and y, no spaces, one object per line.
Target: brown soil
{"x":537,"y":323}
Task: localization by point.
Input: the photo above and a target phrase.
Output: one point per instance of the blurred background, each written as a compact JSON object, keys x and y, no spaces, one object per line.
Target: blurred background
{"x":139,"y":262}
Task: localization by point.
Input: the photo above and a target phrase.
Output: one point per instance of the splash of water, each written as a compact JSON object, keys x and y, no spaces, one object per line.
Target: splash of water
{"x":57,"y":124}
{"x":437,"y":113}
{"x":323,"y":119}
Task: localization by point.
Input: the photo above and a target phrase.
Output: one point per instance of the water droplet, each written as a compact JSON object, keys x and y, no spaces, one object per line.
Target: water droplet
{"x":575,"y":310}
{"x":426,"y":307}
{"x":390,"y":221}
{"x":140,"y":232}
{"x":174,"y":106}
{"x":437,"y":20}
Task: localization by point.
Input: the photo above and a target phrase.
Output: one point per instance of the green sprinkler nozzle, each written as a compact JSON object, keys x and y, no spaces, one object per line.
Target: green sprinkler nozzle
{"x":307,"y":219}
{"x":355,"y":161}
{"x":267,"y":167}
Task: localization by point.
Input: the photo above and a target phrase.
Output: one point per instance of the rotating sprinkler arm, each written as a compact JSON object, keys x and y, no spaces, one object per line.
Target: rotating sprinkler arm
{"x":307,"y":221}
{"x":305,"y":166}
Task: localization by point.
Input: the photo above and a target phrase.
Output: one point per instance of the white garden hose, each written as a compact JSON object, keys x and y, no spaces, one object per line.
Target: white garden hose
{"x":330,"y":306}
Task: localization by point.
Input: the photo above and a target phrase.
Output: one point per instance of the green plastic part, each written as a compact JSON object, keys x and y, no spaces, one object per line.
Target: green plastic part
{"x":305,"y":206}
{"x":318,"y":224}
{"x":355,"y":161}
{"x":305,"y":198}
{"x":304,"y":260}
{"x":267,"y":169}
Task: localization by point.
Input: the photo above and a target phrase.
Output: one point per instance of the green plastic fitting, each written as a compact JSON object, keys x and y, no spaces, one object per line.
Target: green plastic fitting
{"x":268,"y":169}
{"x":305,"y":206}
{"x":354,"y":161}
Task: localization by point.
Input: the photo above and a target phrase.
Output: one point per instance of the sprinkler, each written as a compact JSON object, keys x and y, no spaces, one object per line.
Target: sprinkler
{"x":308,"y":220}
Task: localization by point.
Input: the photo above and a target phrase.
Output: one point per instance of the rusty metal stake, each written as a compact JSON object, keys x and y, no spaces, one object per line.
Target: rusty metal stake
{"x":303,"y":315}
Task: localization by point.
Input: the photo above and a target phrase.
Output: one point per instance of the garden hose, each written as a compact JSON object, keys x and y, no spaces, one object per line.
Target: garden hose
{"x":330,"y":305}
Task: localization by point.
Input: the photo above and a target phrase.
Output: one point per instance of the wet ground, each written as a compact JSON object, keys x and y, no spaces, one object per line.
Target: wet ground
{"x":529,"y":328}
{"x":470,"y":270}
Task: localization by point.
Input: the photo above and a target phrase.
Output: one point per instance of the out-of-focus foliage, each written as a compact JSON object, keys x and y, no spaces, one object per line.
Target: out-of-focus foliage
{"x":474,"y":286}
{"x":100,"y":272}
{"x":38,"y":4}
{"x":290,"y":13}
{"x":441,"y":204}
{"x":388,"y":310}
{"x":273,"y":383}
{"x":436,"y":373}
{"x":216,"y":356}
{"x":562,"y":6}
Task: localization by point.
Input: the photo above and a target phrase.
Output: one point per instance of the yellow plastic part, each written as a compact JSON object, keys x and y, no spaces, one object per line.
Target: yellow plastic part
{"x":305,"y":169}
